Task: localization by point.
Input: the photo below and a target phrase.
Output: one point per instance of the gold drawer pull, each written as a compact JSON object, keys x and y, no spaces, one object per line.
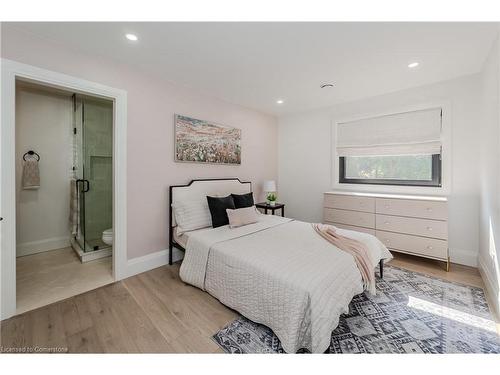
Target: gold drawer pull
{"x":429,"y":228}
{"x":386,"y":222}
{"x":429,"y":209}
{"x":429,"y":247}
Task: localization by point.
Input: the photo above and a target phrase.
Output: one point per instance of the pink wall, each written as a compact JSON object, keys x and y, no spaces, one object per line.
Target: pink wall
{"x":151,"y":107}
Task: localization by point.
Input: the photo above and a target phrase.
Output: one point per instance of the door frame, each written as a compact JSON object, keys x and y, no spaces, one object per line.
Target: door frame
{"x":10,"y":72}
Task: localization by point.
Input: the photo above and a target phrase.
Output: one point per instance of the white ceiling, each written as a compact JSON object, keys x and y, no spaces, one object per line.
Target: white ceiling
{"x":254,"y":64}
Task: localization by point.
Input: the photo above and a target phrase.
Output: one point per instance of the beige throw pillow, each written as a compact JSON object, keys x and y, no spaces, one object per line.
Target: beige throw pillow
{"x":242,"y":216}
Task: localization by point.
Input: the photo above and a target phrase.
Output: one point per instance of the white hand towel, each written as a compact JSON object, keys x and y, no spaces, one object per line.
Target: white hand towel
{"x":31,"y":174}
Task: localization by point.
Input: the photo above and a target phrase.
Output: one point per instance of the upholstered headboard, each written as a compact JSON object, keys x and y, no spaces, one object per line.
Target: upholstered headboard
{"x":198,"y":190}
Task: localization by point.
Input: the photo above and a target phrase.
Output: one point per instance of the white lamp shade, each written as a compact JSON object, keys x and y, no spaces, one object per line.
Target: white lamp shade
{"x":269,"y":186}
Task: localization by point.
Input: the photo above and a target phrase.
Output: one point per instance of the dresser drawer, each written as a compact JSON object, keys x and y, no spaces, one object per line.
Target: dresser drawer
{"x":412,"y":208}
{"x":416,"y":245}
{"x":409,"y":225}
{"x":347,"y":202}
{"x":352,"y":227}
{"x":360,"y":219}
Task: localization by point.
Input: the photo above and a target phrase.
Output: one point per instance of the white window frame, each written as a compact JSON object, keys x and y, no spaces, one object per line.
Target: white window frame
{"x":446,"y":166}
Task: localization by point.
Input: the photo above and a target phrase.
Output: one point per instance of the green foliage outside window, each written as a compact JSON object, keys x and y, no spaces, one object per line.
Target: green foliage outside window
{"x":403,"y":167}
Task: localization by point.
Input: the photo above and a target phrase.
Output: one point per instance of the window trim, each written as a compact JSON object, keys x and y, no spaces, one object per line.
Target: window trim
{"x":434,"y":182}
{"x":361,"y":112}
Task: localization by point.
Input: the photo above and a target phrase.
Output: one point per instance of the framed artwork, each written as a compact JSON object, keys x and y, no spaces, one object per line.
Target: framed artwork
{"x":199,"y":141}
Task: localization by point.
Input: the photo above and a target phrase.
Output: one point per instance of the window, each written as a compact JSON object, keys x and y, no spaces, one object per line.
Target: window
{"x":398,"y":149}
{"x":413,"y":170}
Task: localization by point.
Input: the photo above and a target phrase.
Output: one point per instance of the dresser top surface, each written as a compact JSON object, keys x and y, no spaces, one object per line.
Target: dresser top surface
{"x":389,"y":196}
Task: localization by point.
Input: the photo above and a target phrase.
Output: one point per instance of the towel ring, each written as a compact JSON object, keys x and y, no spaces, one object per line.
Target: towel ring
{"x":31,"y":153}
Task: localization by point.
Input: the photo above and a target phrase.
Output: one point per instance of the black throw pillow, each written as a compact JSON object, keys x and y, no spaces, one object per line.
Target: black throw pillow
{"x":218,"y":208}
{"x":243,"y":200}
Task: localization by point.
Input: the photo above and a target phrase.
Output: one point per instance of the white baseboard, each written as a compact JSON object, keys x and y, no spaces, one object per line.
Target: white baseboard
{"x":491,"y":285}
{"x":463,"y":257}
{"x":151,"y":261}
{"x":35,"y":247}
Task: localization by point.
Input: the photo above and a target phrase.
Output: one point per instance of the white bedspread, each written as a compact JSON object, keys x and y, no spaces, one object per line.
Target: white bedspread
{"x":280,"y":273}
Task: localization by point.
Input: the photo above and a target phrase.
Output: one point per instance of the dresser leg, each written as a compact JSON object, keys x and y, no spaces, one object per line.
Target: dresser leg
{"x":448,"y":265}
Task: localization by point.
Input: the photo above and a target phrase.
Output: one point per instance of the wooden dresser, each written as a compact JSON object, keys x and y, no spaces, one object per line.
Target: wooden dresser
{"x":416,"y":225}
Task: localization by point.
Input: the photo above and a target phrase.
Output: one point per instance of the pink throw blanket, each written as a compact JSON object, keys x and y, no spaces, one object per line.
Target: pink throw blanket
{"x":357,"y":249}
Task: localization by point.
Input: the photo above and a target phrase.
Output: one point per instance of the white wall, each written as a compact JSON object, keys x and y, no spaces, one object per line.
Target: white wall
{"x":43,"y":124}
{"x":489,"y":235}
{"x":305,"y":163}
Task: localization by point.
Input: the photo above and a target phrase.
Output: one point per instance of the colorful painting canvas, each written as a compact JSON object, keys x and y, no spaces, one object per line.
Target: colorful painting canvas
{"x":205,"y":142}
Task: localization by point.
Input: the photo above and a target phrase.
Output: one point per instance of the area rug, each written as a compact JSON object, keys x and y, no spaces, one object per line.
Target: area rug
{"x":411,"y":313}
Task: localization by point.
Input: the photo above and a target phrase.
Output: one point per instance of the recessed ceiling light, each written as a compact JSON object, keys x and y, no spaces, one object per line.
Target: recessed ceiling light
{"x":280,"y":101}
{"x":413,"y":65}
{"x":131,"y":37}
{"x":326,"y":85}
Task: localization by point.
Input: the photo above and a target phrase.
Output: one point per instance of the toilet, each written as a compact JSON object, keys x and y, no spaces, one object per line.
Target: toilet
{"x":107,"y":236}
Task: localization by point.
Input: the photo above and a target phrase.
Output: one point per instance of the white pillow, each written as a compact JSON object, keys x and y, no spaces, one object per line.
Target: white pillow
{"x":242,"y":216}
{"x":191,"y":215}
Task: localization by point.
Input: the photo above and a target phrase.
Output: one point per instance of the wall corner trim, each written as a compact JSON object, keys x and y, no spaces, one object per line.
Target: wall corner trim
{"x":491,"y":287}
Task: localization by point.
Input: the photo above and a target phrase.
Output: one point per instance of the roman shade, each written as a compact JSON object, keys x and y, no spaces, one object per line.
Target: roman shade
{"x":409,"y":133}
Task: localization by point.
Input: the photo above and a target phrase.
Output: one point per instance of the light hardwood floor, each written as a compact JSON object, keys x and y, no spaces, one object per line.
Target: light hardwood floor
{"x":152,"y":312}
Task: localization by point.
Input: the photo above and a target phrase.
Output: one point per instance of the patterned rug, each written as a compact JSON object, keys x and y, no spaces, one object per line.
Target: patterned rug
{"x":411,"y":313}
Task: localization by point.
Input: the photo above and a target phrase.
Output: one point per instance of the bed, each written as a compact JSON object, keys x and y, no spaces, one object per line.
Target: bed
{"x":278,"y":271}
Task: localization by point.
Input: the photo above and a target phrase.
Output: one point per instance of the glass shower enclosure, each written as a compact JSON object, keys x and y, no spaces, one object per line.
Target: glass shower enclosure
{"x":93,"y":172}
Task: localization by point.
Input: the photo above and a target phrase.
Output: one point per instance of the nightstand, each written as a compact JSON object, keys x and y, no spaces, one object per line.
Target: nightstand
{"x":278,"y":206}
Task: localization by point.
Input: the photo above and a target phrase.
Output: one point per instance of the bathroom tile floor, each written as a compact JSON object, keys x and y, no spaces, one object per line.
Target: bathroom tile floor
{"x":54,"y":275}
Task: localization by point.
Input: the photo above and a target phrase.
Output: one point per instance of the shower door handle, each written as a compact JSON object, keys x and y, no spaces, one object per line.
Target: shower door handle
{"x":84,"y":188}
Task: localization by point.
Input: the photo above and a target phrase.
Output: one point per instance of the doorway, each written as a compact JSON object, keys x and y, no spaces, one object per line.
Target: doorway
{"x":64,"y":145}
{"x":12,"y":73}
